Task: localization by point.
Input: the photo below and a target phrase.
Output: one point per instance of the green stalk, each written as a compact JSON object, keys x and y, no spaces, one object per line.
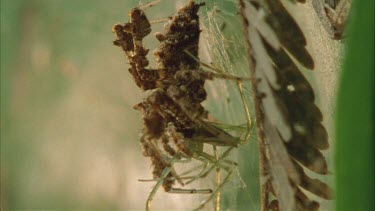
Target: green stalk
{"x":354,"y":158}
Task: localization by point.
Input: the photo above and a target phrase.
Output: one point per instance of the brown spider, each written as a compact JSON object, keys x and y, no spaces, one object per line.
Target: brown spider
{"x":175,"y":122}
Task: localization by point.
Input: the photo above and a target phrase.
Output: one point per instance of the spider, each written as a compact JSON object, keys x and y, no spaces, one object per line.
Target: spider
{"x":175,"y":123}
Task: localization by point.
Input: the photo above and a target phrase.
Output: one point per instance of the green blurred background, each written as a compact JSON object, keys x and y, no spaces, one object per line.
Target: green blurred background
{"x":65,"y":99}
{"x":69,"y":135}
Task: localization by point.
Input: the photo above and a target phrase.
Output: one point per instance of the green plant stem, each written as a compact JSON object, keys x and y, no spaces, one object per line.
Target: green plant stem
{"x":354,"y":157}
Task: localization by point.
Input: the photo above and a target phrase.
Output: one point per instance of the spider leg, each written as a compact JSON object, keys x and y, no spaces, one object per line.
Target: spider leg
{"x":163,"y":176}
{"x":190,"y":191}
{"x":159,"y":182}
{"x":202,"y":167}
{"x":229,"y":127}
{"x":248,"y":117}
{"x":220,"y":137}
{"x":217,"y":190}
{"x":218,"y":179}
{"x":205,"y":168}
{"x":220,"y":142}
{"x":221,"y":75}
{"x":213,"y":164}
{"x":166,"y":163}
{"x":218,"y":73}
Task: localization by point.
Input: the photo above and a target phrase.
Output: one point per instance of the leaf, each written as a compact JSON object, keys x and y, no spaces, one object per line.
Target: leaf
{"x":289,"y":122}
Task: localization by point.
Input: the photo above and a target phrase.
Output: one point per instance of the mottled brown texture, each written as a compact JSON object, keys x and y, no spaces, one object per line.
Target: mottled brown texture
{"x":129,"y":38}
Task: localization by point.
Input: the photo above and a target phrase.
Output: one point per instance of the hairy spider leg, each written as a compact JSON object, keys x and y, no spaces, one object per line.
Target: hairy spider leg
{"x":213,"y":164}
{"x":187,"y":108}
{"x":182,"y":176}
{"x":215,"y":161}
{"x":221,"y":75}
{"x":198,"y":154}
{"x":161,"y":179}
{"x":166,"y":163}
{"x":205,"y":168}
{"x":248,"y":117}
{"x":217,"y":190}
{"x":219,"y":136}
{"x":205,"y":158}
{"x":202,"y":167}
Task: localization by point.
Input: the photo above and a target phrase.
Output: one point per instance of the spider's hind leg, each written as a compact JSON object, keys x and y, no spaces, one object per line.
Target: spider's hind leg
{"x":165,"y":175}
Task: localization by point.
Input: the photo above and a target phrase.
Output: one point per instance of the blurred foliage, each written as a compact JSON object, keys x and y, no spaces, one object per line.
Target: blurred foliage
{"x":354,"y":157}
{"x":64,"y":129}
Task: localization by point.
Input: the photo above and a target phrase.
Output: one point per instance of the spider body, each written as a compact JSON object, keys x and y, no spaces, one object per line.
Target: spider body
{"x":175,"y":122}
{"x":175,"y":80}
